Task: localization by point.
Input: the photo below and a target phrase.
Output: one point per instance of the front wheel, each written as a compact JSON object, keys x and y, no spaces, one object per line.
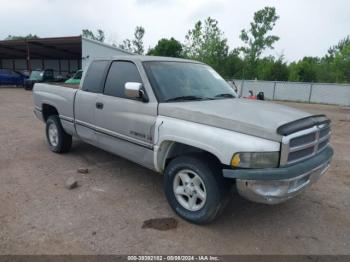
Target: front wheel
{"x":196,"y":189}
{"x":59,"y":141}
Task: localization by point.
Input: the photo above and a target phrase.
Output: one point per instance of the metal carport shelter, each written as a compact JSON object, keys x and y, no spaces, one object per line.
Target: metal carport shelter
{"x":63,"y":54}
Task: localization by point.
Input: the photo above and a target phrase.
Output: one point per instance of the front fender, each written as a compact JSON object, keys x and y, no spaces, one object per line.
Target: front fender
{"x":220,"y":142}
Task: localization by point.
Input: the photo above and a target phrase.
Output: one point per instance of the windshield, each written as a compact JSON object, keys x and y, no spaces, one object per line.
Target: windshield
{"x":36,"y":75}
{"x":78,"y":75}
{"x":180,"y":81}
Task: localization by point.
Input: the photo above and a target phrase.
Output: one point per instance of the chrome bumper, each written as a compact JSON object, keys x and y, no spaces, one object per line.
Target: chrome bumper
{"x":276,"y":191}
{"x":275,"y":185}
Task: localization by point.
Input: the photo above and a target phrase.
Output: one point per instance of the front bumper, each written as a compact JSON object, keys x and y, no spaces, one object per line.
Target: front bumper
{"x":275,"y":185}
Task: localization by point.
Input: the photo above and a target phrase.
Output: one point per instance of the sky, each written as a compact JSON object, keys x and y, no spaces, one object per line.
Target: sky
{"x":305,"y":27}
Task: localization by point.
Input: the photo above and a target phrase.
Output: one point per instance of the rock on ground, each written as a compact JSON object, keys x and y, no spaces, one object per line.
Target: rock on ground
{"x":71,"y":183}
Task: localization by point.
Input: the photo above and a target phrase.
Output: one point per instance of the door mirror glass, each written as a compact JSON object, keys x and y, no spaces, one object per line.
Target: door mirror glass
{"x":133,"y":90}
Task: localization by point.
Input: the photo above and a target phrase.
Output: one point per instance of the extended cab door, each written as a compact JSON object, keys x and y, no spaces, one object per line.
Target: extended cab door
{"x":85,"y":104}
{"x":126,"y":125}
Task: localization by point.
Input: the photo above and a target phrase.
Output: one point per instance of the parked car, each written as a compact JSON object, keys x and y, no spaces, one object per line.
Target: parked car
{"x":180,"y":118}
{"x":41,"y":76}
{"x":10,"y":77}
{"x":75,"y":79}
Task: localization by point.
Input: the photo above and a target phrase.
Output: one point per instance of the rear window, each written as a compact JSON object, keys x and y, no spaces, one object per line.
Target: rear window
{"x":94,"y":76}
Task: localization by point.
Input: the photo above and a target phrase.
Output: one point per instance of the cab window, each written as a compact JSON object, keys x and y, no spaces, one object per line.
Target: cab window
{"x":120,"y":73}
{"x":93,"y":81}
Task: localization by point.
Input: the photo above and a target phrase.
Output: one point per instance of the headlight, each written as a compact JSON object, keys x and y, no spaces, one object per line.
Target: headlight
{"x":255,"y":159}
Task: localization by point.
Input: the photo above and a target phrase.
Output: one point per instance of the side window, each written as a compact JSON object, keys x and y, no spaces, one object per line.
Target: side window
{"x":120,"y":73}
{"x":78,"y":75}
{"x":94,"y":76}
{"x":48,"y":74}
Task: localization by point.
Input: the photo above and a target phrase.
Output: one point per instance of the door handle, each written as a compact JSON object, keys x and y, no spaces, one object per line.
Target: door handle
{"x":99,"y":105}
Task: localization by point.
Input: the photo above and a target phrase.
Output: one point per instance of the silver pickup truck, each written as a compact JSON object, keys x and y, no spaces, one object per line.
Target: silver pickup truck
{"x":180,"y":118}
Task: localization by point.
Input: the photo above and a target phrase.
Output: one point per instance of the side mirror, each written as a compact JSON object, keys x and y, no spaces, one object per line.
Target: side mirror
{"x":133,"y":90}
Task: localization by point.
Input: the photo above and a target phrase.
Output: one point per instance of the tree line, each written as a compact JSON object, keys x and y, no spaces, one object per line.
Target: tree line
{"x":207,"y":43}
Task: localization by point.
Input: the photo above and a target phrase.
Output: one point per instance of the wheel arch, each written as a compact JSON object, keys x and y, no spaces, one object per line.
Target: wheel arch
{"x":170,"y":149}
{"x":48,"y":110}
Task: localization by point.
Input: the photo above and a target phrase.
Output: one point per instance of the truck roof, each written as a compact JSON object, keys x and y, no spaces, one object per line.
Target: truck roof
{"x":143,"y":58}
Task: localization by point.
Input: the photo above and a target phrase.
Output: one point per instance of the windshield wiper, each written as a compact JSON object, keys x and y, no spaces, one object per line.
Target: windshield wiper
{"x":225,"y":95}
{"x":189,"y":98}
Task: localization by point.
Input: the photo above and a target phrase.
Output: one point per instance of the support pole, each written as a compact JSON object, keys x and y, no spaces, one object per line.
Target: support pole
{"x":59,"y":66}
{"x":310,"y":94}
{"x":29,"y":66}
{"x":242,"y":85}
{"x":274,"y":91}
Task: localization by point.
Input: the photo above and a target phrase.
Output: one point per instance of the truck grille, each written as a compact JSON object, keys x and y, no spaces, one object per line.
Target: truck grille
{"x":304,"y":144}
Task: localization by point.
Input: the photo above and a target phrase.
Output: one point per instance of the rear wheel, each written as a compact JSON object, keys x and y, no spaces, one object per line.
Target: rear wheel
{"x":59,"y":141}
{"x":196,"y":189}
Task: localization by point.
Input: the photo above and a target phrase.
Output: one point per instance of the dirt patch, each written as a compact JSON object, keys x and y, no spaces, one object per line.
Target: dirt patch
{"x":162,"y":224}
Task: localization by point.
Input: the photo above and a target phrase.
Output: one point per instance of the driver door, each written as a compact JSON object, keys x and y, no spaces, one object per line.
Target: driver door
{"x":126,"y":125}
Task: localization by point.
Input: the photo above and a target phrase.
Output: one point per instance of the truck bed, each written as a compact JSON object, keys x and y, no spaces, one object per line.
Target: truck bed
{"x":59,"y":95}
{"x":74,"y":86}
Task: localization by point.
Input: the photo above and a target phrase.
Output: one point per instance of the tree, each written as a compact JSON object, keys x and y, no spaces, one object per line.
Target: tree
{"x":167,"y":47}
{"x":233,"y":66}
{"x":194,"y":42}
{"x":138,"y":42}
{"x":135,"y":45}
{"x":341,"y":64}
{"x":16,"y":37}
{"x":126,"y":45}
{"x":257,"y":37}
{"x":279,"y":71}
{"x":333,"y":50}
{"x":207,"y":44}
{"x":336,"y":64}
{"x":99,"y":36}
{"x":272,"y":69}
{"x":334,"y":67}
{"x":305,"y":70}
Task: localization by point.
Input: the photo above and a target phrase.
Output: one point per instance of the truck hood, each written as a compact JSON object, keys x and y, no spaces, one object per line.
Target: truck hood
{"x":252,"y":117}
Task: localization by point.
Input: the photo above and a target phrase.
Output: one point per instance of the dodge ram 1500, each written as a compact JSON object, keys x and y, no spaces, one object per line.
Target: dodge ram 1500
{"x":180,"y":118}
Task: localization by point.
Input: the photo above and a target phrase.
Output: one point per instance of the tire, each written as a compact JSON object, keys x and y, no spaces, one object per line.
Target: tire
{"x":215,"y":187}
{"x":28,"y":88}
{"x":61,"y":142}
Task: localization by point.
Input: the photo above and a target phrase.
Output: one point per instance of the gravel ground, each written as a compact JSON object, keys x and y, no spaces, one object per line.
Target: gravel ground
{"x":105,"y":214}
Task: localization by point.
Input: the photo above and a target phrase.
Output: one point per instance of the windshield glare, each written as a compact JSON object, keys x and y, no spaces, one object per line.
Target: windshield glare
{"x":180,"y":79}
{"x":36,"y":75}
